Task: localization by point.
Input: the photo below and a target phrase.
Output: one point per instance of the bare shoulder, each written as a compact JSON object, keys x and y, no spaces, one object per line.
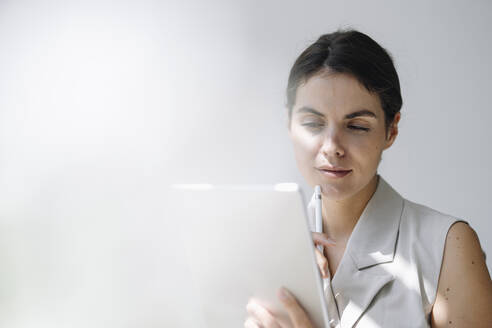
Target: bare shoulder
{"x":464,"y":293}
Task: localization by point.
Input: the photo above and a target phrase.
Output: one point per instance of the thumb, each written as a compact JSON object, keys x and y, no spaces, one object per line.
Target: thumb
{"x":297,"y":314}
{"x":322,"y":239}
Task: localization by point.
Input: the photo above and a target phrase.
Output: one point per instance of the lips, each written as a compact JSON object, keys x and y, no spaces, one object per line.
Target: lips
{"x":333,"y":169}
{"x":334,"y":172}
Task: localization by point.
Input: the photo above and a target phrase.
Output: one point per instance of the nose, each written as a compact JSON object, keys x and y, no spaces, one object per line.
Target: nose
{"x":332,"y":146}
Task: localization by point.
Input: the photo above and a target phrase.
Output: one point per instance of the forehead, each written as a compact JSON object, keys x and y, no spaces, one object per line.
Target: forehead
{"x":328,"y":92}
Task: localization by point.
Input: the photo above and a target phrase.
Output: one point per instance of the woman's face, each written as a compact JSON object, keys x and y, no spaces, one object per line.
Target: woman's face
{"x":337,"y":123}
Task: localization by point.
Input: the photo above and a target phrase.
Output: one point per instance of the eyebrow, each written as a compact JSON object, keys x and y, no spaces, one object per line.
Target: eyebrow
{"x":362,"y":112}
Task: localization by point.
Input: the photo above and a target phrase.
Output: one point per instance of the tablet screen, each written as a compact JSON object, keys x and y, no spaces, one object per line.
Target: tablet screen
{"x":247,"y":241}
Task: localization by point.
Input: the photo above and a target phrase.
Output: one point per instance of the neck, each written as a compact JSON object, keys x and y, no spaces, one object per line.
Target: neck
{"x":341,"y":216}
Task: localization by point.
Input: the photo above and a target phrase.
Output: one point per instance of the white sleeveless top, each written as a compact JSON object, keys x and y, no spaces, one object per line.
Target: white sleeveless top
{"x":389,"y":272}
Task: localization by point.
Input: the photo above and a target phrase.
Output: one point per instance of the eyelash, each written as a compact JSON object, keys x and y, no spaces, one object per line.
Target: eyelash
{"x":353,"y":127}
{"x":312,"y":125}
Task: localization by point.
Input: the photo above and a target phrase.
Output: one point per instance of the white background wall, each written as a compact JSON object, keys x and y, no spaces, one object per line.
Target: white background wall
{"x":102,"y":103}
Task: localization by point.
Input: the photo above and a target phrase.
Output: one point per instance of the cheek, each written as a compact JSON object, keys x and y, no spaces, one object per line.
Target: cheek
{"x":368,"y":151}
{"x":362,"y":148}
{"x":305,"y":148}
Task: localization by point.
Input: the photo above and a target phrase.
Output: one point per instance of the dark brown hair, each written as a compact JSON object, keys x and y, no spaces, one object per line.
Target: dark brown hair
{"x":350,"y":52}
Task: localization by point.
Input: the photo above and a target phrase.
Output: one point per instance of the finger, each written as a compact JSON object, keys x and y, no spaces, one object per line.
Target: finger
{"x":297,"y":314}
{"x":251,"y":323}
{"x":322,"y":239}
{"x":265,"y":318}
{"x":322,"y":263}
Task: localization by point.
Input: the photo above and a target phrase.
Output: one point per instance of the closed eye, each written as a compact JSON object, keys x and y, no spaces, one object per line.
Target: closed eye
{"x":355,"y":127}
{"x":313,"y":125}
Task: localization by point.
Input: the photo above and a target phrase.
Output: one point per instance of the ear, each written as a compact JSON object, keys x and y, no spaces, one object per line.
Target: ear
{"x":393,"y":131}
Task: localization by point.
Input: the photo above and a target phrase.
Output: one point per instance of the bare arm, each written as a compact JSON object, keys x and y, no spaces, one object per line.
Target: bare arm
{"x":464,"y":293}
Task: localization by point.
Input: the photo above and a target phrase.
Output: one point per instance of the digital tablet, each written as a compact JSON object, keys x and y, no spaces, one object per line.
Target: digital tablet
{"x":245,"y":242}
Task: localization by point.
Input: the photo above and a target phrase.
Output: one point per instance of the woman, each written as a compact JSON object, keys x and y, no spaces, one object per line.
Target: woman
{"x":394,"y":263}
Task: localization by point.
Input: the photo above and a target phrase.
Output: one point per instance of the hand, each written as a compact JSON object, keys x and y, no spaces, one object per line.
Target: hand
{"x":262,"y":318}
{"x":322,"y":239}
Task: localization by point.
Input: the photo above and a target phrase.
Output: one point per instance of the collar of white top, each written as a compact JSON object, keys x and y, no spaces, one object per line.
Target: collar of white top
{"x":374,"y":237}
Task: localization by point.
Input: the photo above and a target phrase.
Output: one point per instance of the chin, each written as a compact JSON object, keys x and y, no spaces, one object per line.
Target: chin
{"x":342,"y":189}
{"x":337,"y":192}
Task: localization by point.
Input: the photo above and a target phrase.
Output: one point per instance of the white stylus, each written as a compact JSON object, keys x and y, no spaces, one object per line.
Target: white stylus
{"x":317,"y":213}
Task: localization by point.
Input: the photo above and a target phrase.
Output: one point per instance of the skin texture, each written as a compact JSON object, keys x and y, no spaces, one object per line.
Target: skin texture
{"x":464,"y":294}
{"x":334,"y":96}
